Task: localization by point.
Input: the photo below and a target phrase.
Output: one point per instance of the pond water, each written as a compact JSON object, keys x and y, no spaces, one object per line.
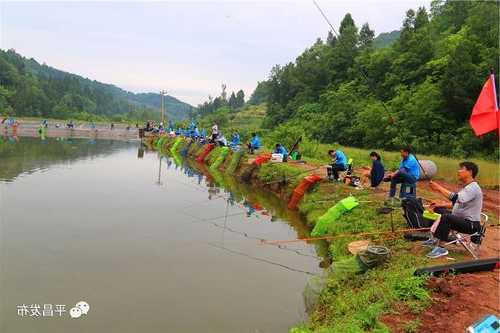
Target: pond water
{"x":150,"y":243}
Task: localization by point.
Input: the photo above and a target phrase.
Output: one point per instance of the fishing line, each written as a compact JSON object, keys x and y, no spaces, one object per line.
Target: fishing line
{"x":285,"y":179}
{"x":340,"y":236}
{"x":262,"y":260}
{"x":246,"y":235}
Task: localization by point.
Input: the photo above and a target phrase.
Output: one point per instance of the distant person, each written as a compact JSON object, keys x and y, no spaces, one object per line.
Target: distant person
{"x":376,"y":173}
{"x":136,"y":125}
{"x":254,"y":143}
{"x":465,"y":215}
{"x":203,"y":136}
{"x":408,"y":173}
{"x":215,"y":133}
{"x":235,"y":139}
{"x":196,"y":134}
{"x":112,"y":126}
{"x":221,"y":140}
{"x":280,"y":149}
{"x":339,"y":163}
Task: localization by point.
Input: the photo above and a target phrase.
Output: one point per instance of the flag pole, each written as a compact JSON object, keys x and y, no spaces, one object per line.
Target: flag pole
{"x":492,"y":78}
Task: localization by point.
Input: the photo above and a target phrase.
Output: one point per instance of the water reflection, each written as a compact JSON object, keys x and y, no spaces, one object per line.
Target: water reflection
{"x":25,"y":155}
{"x":104,"y":230}
{"x":251,"y":200}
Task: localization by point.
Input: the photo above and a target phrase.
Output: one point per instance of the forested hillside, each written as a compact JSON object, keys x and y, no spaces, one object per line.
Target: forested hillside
{"x":28,"y":88}
{"x":420,"y":90}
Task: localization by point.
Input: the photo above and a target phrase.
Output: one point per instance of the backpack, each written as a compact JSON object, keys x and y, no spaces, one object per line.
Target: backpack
{"x":413,"y":211}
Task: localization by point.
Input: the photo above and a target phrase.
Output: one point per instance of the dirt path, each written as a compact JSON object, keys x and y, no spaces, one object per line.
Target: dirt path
{"x":457,"y":302}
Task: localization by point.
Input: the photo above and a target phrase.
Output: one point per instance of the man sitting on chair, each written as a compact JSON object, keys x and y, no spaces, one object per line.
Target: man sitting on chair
{"x":339,"y":163}
{"x":409,"y":171}
{"x":466,"y":205}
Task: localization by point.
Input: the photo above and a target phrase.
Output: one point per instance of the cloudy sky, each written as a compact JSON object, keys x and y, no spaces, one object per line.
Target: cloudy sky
{"x":186,"y":47}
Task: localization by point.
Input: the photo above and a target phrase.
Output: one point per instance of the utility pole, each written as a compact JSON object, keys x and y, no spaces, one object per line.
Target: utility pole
{"x":163,"y":93}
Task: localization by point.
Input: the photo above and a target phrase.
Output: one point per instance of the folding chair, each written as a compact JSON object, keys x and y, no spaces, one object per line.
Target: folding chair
{"x":466,"y":240}
{"x":348,"y":170}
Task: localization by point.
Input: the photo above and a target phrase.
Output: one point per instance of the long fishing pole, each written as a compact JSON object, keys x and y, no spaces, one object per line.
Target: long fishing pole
{"x":364,"y":76}
{"x":339,"y":236}
{"x":262,"y":260}
{"x":299,"y":174}
{"x":246,"y":235}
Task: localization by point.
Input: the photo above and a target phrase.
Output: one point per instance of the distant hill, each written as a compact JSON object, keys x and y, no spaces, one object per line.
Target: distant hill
{"x":386,"y":38}
{"x":28,"y":88}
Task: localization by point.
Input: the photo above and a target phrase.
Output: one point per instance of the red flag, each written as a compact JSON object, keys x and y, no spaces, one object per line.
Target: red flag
{"x":484,"y":117}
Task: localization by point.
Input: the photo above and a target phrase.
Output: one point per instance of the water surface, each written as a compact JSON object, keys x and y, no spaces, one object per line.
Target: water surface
{"x":152,"y":244}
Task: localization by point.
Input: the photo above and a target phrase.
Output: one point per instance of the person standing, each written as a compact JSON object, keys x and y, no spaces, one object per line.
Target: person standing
{"x":215,"y":132}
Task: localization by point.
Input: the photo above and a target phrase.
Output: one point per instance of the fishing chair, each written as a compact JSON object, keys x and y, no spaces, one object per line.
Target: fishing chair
{"x":466,"y":240}
{"x":408,"y":190}
{"x":348,"y":170}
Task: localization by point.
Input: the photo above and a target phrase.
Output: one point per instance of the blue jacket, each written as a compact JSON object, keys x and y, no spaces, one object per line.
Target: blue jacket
{"x":255,"y":142}
{"x":377,"y":173}
{"x":235,"y":140}
{"x":410,"y":165}
{"x":281,"y":150}
{"x":340,"y":158}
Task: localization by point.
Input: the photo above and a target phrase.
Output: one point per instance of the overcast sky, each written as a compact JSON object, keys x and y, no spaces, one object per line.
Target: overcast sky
{"x":188,"y":48}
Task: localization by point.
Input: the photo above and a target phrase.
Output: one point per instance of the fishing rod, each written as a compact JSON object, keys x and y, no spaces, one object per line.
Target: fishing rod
{"x":340,"y":236}
{"x":246,"y":235}
{"x":262,"y":260}
{"x":299,"y":174}
{"x":365,"y":77}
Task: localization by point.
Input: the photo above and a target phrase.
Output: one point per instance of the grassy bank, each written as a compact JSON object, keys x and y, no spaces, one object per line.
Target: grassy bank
{"x":348,"y":302}
{"x":250,"y":119}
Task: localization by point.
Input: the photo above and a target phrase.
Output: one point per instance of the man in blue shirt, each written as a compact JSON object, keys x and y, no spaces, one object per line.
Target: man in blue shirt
{"x":408,"y":173}
{"x":279,"y":149}
{"x":254,"y":143}
{"x":339,"y":163}
{"x":235,"y":139}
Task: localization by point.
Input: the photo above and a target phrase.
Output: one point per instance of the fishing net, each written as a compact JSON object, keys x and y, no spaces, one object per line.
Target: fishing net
{"x":222,"y":155}
{"x":235,"y":161}
{"x":205,"y":152}
{"x":372,"y":257}
{"x":247,"y":173}
{"x":176,"y":144}
{"x":184,"y":151}
{"x":312,"y":291}
{"x":316,"y":284}
{"x":333,"y":214}
{"x":159,"y":142}
{"x":299,"y":191}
